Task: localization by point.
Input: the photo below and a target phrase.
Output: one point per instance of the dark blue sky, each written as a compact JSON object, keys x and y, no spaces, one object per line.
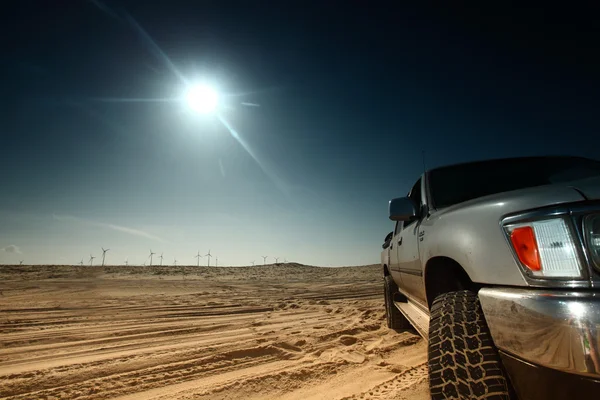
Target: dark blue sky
{"x":349,"y":97}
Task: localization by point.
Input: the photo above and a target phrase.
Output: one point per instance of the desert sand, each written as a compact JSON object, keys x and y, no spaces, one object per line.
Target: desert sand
{"x":270,"y":332}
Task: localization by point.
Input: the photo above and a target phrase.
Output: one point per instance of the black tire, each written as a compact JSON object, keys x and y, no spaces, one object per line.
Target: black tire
{"x":463,"y":361}
{"x":393,"y":316}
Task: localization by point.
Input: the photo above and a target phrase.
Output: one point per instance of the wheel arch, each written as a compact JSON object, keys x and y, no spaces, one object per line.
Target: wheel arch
{"x":386,"y":271}
{"x":444,"y":274}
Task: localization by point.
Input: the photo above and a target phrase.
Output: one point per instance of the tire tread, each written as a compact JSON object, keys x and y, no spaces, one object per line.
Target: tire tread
{"x":463,"y":361}
{"x":395,"y":319}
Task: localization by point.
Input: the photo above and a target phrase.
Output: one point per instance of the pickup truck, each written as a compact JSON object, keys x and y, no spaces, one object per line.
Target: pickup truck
{"x":497,"y":265}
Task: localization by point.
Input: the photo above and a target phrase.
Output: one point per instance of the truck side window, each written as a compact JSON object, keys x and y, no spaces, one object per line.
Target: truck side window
{"x":415,"y":196}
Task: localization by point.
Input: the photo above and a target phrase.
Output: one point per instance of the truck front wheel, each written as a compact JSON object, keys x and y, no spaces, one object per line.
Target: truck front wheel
{"x":463,"y":361}
{"x":395,"y":319}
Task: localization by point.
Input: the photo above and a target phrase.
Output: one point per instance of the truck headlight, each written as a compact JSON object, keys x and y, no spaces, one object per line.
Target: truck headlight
{"x":546,"y":248}
{"x":592,"y":232}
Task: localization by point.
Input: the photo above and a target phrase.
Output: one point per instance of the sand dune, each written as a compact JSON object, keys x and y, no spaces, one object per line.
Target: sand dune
{"x":274,"y":332}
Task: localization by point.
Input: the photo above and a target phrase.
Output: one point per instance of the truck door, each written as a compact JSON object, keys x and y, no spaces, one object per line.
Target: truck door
{"x":407,"y":247}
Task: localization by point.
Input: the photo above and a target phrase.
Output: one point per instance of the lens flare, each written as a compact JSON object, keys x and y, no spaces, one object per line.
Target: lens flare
{"x":202,"y":99}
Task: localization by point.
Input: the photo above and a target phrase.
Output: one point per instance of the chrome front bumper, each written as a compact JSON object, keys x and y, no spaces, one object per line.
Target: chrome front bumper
{"x":554,"y":329}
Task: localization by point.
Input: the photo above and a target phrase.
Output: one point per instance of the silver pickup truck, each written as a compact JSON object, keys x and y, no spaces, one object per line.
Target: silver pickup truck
{"x":497,"y":264}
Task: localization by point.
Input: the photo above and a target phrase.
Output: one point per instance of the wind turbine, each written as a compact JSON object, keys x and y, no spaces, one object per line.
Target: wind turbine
{"x":209,"y":256}
{"x":91,"y":260}
{"x":253,"y":263}
{"x":265,"y":259}
{"x":276,"y":260}
{"x":174,"y":261}
{"x":104,"y":254}
{"x":81,"y":262}
{"x":198,"y":256}
{"x":161,"y":258}
{"x":151,"y":254}
{"x":126,"y":262}
{"x":216,"y":261}
{"x":21,"y":262}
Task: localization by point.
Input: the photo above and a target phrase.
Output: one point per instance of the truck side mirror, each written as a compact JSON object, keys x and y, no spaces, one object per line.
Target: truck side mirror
{"x":402,"y":209}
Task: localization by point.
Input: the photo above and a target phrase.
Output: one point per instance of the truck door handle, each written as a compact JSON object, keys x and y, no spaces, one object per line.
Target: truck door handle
{"x":400,"y":241}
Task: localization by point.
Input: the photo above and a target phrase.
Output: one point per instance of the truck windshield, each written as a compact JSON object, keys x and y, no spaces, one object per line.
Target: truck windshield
{"x":459,"y":183}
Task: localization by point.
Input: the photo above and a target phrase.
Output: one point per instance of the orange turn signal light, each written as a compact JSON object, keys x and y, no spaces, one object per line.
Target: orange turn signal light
{"x":523,"y":240}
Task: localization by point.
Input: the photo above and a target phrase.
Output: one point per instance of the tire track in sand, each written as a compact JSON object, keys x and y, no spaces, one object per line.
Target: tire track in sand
{"x":291,"y":334}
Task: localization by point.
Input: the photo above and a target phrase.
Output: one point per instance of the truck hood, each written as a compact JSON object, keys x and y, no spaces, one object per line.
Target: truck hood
{"x":534,"y":197}
{"x":589,"y":187}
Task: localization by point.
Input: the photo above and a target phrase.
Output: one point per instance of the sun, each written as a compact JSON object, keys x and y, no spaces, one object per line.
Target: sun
{"x":202,"y":99}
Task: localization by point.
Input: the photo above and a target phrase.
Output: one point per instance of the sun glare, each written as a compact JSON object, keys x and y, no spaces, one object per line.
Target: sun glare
{"x":202,"y":99}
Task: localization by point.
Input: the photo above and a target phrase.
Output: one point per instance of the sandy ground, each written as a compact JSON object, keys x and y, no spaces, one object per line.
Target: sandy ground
{"x":274,"y":332}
